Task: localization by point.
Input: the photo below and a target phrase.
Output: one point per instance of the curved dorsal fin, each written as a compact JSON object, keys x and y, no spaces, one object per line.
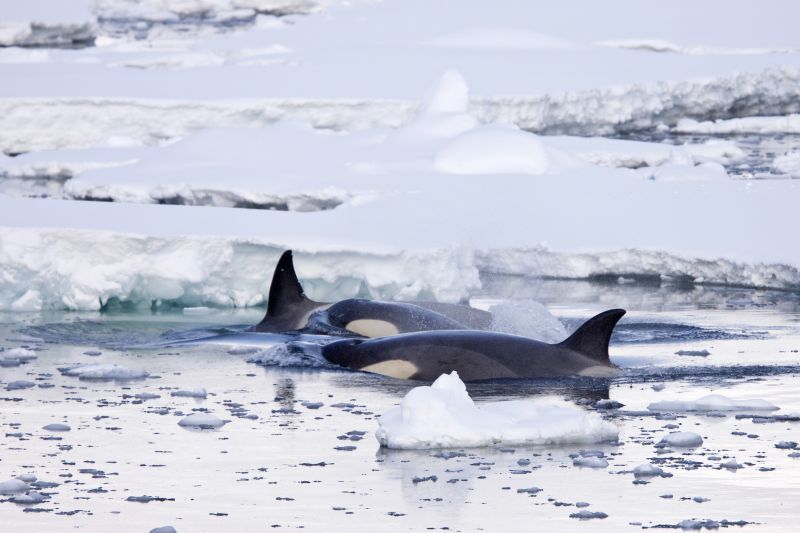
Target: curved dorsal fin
{"x":591,"y":339}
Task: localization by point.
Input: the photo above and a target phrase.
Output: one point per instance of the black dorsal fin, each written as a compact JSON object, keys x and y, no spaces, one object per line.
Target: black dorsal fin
{"x":285,"y":292}
{"x":591,"y":339}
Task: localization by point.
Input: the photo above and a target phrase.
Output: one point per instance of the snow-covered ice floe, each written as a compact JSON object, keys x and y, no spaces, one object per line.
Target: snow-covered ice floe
{"x":711,"y":403}
{"x":444,"y":416}
{"x":202,"y":421}
{"x":47,"y":23}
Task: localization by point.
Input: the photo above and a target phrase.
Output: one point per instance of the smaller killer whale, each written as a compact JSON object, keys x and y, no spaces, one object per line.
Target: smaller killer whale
{"x":481,"y":354}
{"x":289,"y":309}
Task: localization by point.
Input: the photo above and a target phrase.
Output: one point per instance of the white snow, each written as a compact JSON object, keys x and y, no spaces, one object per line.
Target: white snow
{"x":443,"y":416}
{"x":46,"y":23}
{"x":682,"y":439}
{"x":103,"y":371}
{"x":782,"y":124}
{"x":788,"y":163}
{"x":711,"y":403}
{"x":202,"y":421}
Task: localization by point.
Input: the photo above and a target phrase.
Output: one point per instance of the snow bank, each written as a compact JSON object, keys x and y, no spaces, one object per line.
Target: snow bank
{"x":712,"y":402}
{"x":47,"y":23}
{"x":26,"y":123}
{"x":443,"y":416}
{"x":102,"y":372}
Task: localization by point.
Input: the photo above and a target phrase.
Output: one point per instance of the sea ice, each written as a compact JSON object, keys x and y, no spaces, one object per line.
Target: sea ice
{"x":647,"y":470}
{"x":590,"y":462}
{"x":20,"y":384}
{"x":443,"y":415}
{"x":190,"y":393}
{"x":13,"y":486}
{"x":710,"y":403}
{"x":57,"y":427}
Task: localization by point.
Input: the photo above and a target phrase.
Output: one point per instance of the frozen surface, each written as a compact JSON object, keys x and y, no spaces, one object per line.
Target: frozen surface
{"x":443,"y":415}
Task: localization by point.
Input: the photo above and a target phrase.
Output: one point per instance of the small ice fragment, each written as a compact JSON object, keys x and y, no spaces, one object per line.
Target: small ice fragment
{"x":710,"y":403}
{"x":666,"y":496}
{"x":101,"y":372}
{"x":731,"y":465}
{"x":23,"y":354}
{"x":13,"y":486}
{"x":647,"y":470}
{"x":312,"y":405}
{"x":786,"y":445}
{"x":190,"y":393}
{"x":700,"y":499}
{"x":243,"y":350}
{"x":608,"y":404}
{"x":588,"y":515}
{"x":31,"y":497}
{"x":426,"y":478}
{"x":57,"y":427}
{"x":146,"y":396}
{"x":93,"y":353}
{"x":529,"y":490}
{"x":590,"y":462}
{"x":163,"y":529}
{"x":27,"y":478}
{"x":658,"y":387}
{"x":682,"y":439}
{"x":694,"y":353}
{"x":202,"y":421}
{"x":20,"y":385}
{"x":581,"y":505}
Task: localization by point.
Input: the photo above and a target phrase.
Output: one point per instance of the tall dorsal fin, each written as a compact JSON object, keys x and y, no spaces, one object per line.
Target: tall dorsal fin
{"x":591,"y":339}
{"x":285,"y":292}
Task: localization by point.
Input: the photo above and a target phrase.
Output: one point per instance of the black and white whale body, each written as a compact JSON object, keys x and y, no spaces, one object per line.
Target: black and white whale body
{"x":481,"y":354}
{"x":288,"y":309}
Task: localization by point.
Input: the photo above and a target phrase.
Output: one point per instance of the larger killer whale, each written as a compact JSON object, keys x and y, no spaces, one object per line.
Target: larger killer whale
{"x":289,"y":309}
{"x":480,"y":355}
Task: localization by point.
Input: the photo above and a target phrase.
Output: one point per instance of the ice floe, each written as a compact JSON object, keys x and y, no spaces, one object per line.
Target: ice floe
{"x":711,"y":403}
{"x":443,"y":416}
{"x":682,"y":439}
{"x":202,"y":421}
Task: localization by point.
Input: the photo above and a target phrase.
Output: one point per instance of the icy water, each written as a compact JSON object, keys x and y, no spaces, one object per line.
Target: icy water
{"x":300,"y":452}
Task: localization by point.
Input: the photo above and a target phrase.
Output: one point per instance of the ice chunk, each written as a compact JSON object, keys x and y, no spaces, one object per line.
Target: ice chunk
{"x":682,"y":439}
{"x":647,"y":470}
{"x":20,"y":385}
{"x":57,"y":427}
{"x":694,"y":353}
{"x":23,"y":354}
{"x":443,"y":415}
{"x":13,"y":486}
{"x":202,"y":421}
{"x":590,"y":462}
{"x":788,"y":163}
{"x":103,"y":371}
{"x":31,"y":497}
{"x":192,"y":393}
{"x":163,"y":529}
{"x":712,"y":402}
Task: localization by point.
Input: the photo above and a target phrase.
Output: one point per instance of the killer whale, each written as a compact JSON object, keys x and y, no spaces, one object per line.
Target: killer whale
{"x":480,"y":355}
{"x":289,"y":309}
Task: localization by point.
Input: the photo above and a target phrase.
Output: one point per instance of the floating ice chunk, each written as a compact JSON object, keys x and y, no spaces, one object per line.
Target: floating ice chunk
{"x":590,"y":462}
{"x":780,"y":124}
{"x":27,"y":478}
{"x":493,"y":150}
{"x":20,"y":385}
{"x":698,"y":524}
{"x":682,"y":439}
{"x":32,"y":497}
{"x":731,"y":464}
{"x":528,"y":318}
{"x":658,"y":387}
{"x":193,"y":393}
{"x":202,"y":421}
{"x":163,"y":529}
{"x":243,"y":350}
{"x":647,"y":470}
{"x":608,"y":404}
{"x":443,"y":415}
{"x":57,"y":427}
{"x":23,"y":354}
{"x":103,"y":371}
{"x":588,"y":515}
{"x":712,"y":402}
{"x":146,"y":396}
{"x":786,"y":445}
{"x":13,"y":486}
